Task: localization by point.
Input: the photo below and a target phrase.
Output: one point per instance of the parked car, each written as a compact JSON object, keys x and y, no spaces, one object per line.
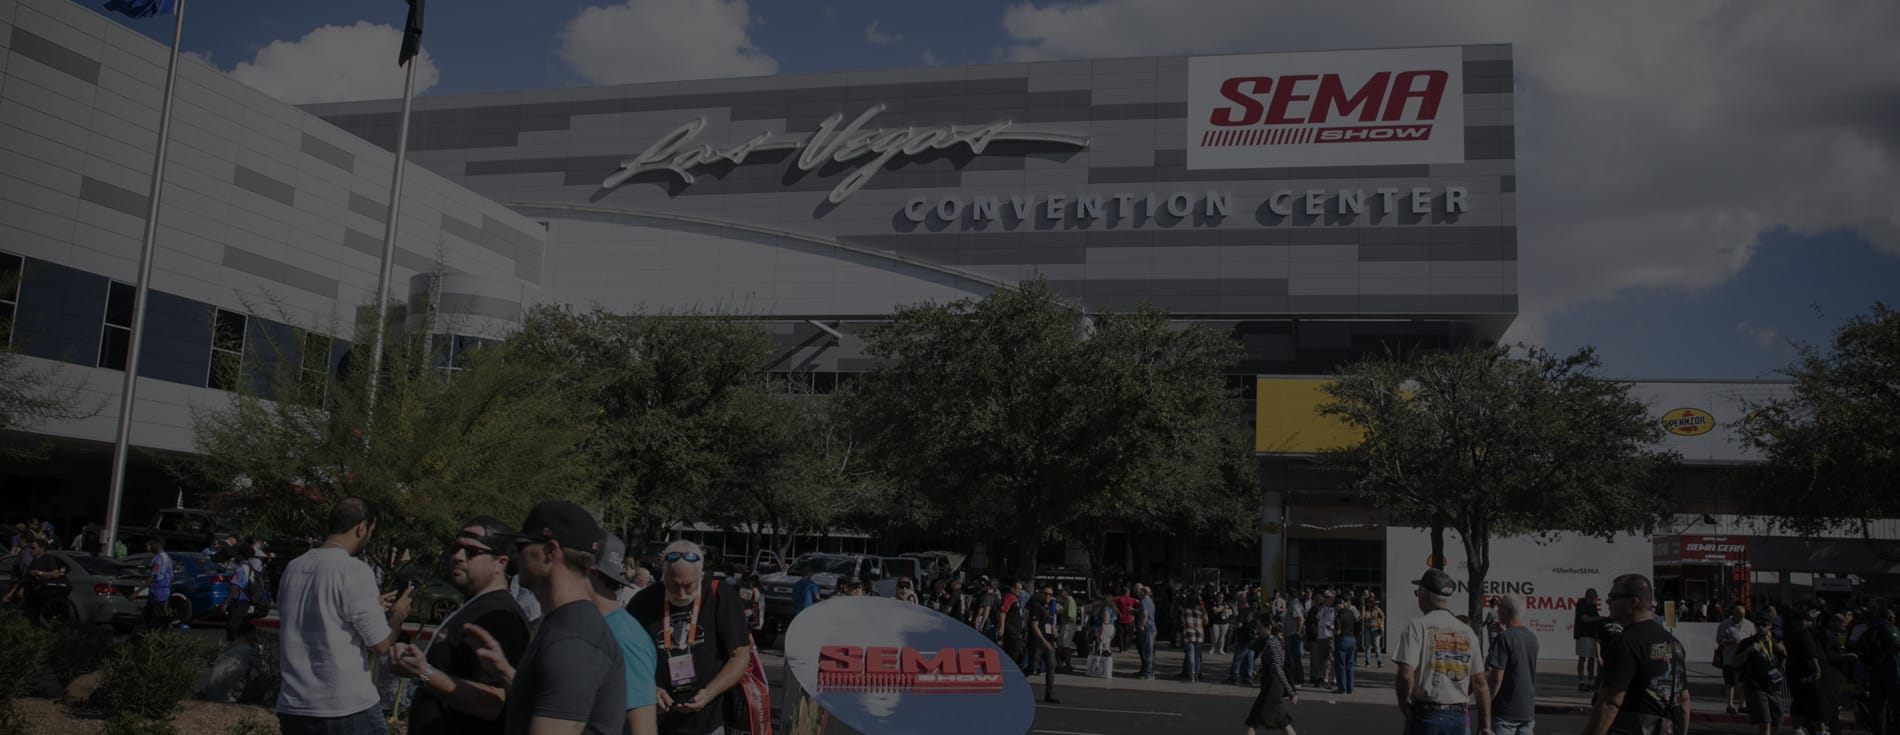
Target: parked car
{"x":95,"y":590}
{"x":879,"y":573}
{"x":199,"y":587}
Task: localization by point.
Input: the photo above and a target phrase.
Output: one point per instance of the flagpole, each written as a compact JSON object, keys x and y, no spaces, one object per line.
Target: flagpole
{"x":389,"y":232}
{"x":116,"y":500}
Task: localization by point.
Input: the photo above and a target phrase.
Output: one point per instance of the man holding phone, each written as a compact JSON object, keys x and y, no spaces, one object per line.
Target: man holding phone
{"x":704,"y":642}
{"x":332,"y":620}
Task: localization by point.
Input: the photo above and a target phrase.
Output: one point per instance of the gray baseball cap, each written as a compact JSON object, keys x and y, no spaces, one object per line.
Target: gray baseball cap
{"x":611,"y":560}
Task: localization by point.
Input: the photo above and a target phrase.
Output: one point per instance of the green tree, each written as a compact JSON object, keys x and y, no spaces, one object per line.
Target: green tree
{"x":1018,"y":416}
{"x":675,"y":409}
{"x":1832,"y":448}
{"x":1492,"y":444}
{"x":492,"y":436}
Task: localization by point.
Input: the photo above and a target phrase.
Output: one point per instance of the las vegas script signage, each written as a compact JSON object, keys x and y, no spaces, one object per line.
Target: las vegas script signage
{"x":679,"y":151}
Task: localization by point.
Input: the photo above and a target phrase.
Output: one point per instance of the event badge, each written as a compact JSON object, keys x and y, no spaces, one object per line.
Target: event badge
{"x":680,"y":667}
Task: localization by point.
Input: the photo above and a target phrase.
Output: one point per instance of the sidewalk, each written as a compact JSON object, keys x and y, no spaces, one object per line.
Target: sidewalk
{"x":1556,"y":684}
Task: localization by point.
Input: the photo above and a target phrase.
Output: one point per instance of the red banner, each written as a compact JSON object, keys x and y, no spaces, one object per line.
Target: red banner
{"x":1714,"y":548}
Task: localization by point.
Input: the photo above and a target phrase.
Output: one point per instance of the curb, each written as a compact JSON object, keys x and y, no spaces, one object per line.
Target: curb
{"x":1719,"y":718}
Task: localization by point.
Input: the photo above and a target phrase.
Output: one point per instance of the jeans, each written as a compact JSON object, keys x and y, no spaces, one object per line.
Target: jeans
{"x":1295,"y":649}
{"x":1046,"y":659}
{"x":1191,"y":665}
{"x":1512,"y":727}
{"x":1148,"y":652}
{"x":1217,"y":638}
{"x":1345,"y":648}
{"x":1243,"y":665}
{"x":1374,"y":645}
{"x":1436,"y":722}
{"x":366,"y":722}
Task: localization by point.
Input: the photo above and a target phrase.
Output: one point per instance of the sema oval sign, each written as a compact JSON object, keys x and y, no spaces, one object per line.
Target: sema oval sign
{"x":1688,"y":421}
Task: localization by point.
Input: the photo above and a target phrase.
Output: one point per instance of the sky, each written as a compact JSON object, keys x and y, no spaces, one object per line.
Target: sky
{"x":1701,"y":185}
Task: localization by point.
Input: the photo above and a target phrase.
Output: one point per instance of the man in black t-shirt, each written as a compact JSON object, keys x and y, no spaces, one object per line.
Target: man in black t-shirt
{"x":455,"y":695}
{"x":1041,"y":641}
{"x":704,"y":642}
{"x":1645,"y":688}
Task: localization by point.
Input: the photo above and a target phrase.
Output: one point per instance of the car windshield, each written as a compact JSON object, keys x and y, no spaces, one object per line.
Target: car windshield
{"x":100,"y":566}
{"x":822,"y":565}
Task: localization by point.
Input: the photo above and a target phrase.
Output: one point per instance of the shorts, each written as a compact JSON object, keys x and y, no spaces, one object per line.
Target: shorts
{"x":1067,"y":637}
{"x":1731,"y":676}
{"x":1764,"y":707}
{"x":1586,"y":647}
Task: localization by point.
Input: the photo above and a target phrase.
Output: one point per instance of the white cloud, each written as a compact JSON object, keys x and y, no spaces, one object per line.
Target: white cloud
{"x":881,"y":38}
{"x":1655,"y":141}
{"x":1765,"y":336}
{"x":931,"y":59}
{"x":659,"y":40}
{"x":335,"y":64}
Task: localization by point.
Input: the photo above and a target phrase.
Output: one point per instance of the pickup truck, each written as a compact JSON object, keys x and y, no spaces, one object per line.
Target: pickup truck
{"x":880,"y":574}
{"x":184,"y":529}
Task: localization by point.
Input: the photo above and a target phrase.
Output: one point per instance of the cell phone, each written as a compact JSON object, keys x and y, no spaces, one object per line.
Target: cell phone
{"x":405,"y":587}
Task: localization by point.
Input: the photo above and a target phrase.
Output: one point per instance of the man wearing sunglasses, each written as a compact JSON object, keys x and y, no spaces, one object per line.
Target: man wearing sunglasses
{"x":454,"y":694}
{"x":1645,"y":688}
{"x":704,"y":643}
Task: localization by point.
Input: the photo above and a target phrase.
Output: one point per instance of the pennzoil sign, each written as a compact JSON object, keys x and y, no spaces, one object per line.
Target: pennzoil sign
{"x":1688,"y":421}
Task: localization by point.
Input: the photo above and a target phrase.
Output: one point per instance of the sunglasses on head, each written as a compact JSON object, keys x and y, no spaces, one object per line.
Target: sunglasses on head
{"x":681,"y":556}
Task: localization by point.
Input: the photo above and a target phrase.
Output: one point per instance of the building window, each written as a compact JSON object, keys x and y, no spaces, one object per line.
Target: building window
{"x":11,"y":267}
{"x":227,"y":350}
{"x":314,"y":362}
{"x":115,"y":341}
{"x":454,"y":351}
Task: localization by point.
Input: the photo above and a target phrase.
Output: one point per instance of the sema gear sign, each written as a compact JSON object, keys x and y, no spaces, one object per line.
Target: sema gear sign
{"x":1550,"y":576}
{"x":1339,"y":108}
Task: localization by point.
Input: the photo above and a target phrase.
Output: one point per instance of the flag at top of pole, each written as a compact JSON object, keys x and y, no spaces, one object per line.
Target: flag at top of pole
{"x":411,"y":33}
{"x":141,"y":8}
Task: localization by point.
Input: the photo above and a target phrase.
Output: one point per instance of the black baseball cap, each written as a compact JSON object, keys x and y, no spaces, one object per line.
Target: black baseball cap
{"x":495,"y":534}
{"x":1437,"y":582}
{"x":560,"y":520}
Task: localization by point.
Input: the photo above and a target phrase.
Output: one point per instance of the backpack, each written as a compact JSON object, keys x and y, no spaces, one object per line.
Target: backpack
{"x":256,"y":586}
{"x":1312,"y":622}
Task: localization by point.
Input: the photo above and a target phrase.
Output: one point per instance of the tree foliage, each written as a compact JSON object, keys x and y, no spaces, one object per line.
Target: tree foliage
{"x":1493,"y":444}
{"x":31,"y":396}
{"x":1016,"y":416}
{"x":1832,"y":448}
{"x":492,"y":437}
{"x":692,"y":427}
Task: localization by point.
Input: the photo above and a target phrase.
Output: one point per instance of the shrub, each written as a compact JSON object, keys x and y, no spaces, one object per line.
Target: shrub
{"x":11,"y":718}
{"x":265,"y":679}
{"x":130,"y":724}
{"x":151,"y":676}
{"x":76,"y":650}
{"x":251,"y":726}
{"x":26,"y":647}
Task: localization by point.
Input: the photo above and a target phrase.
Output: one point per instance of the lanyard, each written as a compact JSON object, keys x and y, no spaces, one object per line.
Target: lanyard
{"x":692,"y":626}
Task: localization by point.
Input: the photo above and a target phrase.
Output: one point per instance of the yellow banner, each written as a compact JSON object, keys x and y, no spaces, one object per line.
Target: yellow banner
{"x":1287,"y":420}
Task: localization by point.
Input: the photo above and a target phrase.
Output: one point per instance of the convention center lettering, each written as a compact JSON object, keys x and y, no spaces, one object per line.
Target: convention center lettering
{"x":679,"y":153}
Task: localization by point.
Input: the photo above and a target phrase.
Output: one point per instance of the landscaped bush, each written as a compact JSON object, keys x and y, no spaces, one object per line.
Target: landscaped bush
{"x":266,"y":679}
{"x":149,"y":677}
{"x":251,"y":726}
{"x":76,"y":650}
{"x":129,"y":724}
{"x":25,"y":646}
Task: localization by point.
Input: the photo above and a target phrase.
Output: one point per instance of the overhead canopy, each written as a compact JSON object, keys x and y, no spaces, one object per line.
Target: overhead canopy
{"x":1825,"y":556}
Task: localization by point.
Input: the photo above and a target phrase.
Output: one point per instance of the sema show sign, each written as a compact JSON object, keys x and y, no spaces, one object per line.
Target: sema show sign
{"x":1341,"y":108}
{"x":882,"y":666}
{"x":1550,"y":575}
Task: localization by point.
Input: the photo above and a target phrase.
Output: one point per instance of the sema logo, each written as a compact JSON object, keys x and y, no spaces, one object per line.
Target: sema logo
{"x":1389,"y":106}
{"x":889,"y":669}
{"x":1688,"y":422}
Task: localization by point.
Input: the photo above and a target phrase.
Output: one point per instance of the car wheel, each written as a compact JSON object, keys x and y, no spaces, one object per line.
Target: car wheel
{"x":58,"y":612}
{"x":440,"y":611}
{"x":179,"y":609}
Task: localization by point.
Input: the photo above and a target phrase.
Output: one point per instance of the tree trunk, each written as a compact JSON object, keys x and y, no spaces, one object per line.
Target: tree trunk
{"x":1438,"y":542}
{"x":1028,"y":546}
{"x":1478,"y":564}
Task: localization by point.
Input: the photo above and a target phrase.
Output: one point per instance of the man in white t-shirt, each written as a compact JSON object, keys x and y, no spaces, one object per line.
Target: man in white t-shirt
{"x":333,"y":619}
{"x":1440,"y":663}
{"x":1729,"y":634}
